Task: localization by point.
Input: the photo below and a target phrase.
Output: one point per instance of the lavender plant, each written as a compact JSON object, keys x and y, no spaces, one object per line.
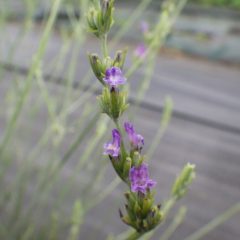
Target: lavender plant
{"x":129,"y":163}
{"x":39,"y":176}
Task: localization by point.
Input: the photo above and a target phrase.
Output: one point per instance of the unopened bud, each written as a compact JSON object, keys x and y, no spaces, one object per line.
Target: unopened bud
{"x":119,"y":59}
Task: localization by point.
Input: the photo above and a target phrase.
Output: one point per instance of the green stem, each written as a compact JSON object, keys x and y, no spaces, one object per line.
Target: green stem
{"x":168,"y":206}
{"x":117,"y":125}
{"x":134,"y":236}
{"x":104,"y":45}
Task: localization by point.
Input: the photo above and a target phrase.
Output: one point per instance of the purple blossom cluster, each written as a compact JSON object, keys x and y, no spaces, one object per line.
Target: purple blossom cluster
{"x":138,"y":175}
{"x":114,"y":77}
{"x":139,"y":178}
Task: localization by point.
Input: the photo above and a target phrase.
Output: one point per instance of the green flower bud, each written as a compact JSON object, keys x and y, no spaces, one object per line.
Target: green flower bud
{"x":92,"y":20}
{"x":182,"y":182}
{"x":119,"y":58}
{"x":107,"y":15}
{"x":113,"y":103}
{"x":147,"y":204}
{"x":137,"y":158}
{"x":100,"y":19}
{"x":142,"y":214}
{"x":97,"y":67}
{"x":126,"y":220}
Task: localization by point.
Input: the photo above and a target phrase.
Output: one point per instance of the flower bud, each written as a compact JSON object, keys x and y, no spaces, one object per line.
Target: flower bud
{"x":92,"y":20}
{"x":119,"y":58}
{"x":182,"y":182}
{"x":113,"y":103}
{"x":137,"y":158}
{"x":100,"y":19}
{"x":107,"y":15}
{"x":142,"y":214}
{"x":97,"y":67}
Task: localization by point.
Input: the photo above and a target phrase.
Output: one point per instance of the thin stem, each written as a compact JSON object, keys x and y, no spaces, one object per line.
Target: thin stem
{"x":117,"y":125}
{"x":104,"y":45}
{"x":168,"y":206}
{"x":134,"y":236}
{"x":123,"y":235}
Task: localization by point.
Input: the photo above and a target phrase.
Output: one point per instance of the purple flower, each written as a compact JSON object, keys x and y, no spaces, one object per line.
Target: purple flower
{"x":137,"y":140}
{"x":114,"y":77}
{"x":140,"y":51}
{"x":113,"y":148}
{"x":144,"y":27}
{"x":139,"y":178}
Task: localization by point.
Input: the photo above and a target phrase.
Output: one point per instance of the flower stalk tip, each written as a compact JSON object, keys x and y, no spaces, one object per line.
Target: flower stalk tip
{"x":183,"y":181}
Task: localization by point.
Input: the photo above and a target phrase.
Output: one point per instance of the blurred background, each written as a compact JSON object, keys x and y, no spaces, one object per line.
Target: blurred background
{"x":55,"y":183}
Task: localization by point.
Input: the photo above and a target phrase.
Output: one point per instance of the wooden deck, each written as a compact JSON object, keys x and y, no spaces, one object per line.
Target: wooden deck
{"x":205,"y":130}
